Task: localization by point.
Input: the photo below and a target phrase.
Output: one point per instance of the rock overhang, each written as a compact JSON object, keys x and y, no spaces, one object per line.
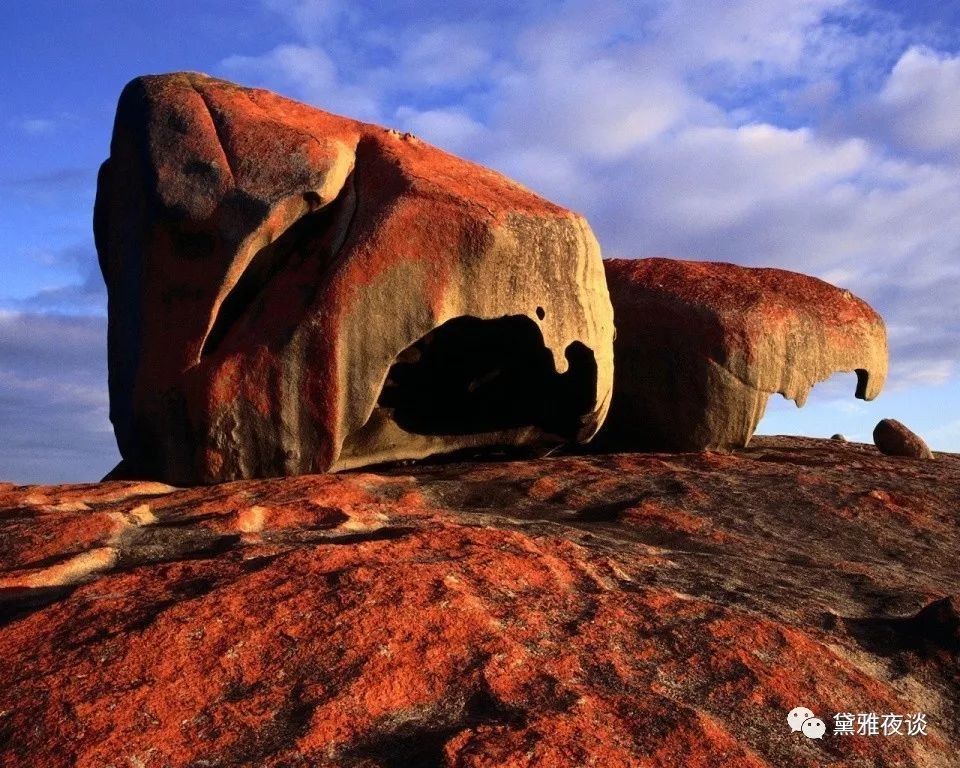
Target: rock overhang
{"x":701,"y":346}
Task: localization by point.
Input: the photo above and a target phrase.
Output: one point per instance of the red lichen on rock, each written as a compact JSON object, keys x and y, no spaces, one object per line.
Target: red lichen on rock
{"x":628,"y":610}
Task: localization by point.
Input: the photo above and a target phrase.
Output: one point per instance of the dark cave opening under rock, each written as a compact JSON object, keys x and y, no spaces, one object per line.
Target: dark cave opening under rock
{"x":470,"y":376}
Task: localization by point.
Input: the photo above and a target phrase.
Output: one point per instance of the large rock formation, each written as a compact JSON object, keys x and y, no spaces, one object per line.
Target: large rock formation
{"x":701,"y":346}
{"x":291,"y":291}
{"x":635,"y":610}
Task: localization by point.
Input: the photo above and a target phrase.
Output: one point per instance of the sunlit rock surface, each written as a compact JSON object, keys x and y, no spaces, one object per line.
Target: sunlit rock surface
{"x":622,"y":610}
{"x":291,"y":291}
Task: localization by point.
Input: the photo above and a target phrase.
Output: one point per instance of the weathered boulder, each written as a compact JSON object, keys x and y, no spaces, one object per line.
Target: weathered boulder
{"x":701,"y":346}
{"x":291,"y":291}
{"x":896,"y":439}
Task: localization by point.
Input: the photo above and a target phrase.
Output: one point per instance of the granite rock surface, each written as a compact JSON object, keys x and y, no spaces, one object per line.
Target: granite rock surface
{"x":701,"y":346}
{"x":619,"y":610}
{"x":291,"y":291}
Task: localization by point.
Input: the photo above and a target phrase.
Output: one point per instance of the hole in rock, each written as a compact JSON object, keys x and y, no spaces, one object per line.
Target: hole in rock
{"x":471,"y":376}
{"x":829,"y":409}
{"x":863,"y":379}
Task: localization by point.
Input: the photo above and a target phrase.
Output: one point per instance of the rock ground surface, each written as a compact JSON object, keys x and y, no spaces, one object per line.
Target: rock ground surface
{"x":620,"y":610}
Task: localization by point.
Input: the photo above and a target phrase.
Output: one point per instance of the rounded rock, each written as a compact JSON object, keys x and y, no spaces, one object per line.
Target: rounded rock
{"x":896,"y":439}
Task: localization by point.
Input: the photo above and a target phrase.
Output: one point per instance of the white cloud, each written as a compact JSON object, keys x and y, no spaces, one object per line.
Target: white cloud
{"x":711,"y":178}
{"x":54,"y":424}
{"x":549,"y":170}
{"x":908,"y":374}
{"x":440,"y":55}
{"x":847,"y":406}
{"x":949,"y":431}
{"x":309,"y":18}
{"x":773,"y":34}
{"x":593,"y":108}
{"x":451,"y":129}
{"x":918,"y":108}
{"x":37,"y":126}
{"x":305,"y":72}
{"x":839,"y":276}
{"x":78,"y":287}
{"x":661,"y":121}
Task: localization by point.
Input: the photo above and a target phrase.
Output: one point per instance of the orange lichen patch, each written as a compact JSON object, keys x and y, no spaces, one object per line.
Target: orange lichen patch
{"x":700,"y":741}
{"x":231,"y":382}
{"x":36,"y":538}
{"x":305,"y":516}
{"x":66,"y":506}
{"x":779,"y":664}
{"x":668,"y":518}
{"x":588,"y":734}
{"x":892,"y":508}
{"x":412,"y":500}
{"x":478,"y":625}
{"x":226,"y":383}
{"x":302,"y":516}
{"x":543,"y":488}
{"x":344,"y":493}
{"x":75,"y":495}
{"x":252,"y":520}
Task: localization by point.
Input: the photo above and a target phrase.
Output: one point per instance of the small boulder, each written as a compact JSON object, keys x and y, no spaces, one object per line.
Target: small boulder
{"x":839,"y":437}
{"x":896,"y":439}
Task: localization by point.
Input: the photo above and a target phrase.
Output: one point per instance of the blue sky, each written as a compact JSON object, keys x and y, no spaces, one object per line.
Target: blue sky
{"x":816,"y":135}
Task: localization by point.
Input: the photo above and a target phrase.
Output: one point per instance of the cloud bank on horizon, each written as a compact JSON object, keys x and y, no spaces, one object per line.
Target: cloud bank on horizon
{"x":815,"y":135}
